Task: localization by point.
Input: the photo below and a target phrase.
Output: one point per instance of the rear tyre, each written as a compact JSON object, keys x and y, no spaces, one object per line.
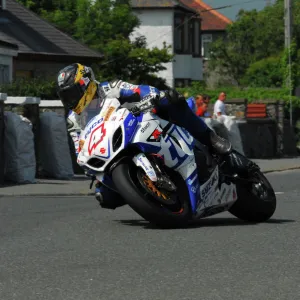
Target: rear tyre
{"x":162,"y":211}
{"x":256,"y":201}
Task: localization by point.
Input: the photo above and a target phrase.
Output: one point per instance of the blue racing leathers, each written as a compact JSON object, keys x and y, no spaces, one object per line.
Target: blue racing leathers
{"x":177,"y":112}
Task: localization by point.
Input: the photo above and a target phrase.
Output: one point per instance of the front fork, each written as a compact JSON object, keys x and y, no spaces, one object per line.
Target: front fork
{"x":154,"y":172}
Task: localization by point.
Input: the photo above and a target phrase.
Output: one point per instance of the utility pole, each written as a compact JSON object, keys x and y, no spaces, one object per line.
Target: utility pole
{"x":288,"y":38}
{"x":288,"y":22}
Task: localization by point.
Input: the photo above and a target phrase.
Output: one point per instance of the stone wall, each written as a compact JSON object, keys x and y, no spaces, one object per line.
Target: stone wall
{"x":262,"y":138}
{"x":274,"y":135}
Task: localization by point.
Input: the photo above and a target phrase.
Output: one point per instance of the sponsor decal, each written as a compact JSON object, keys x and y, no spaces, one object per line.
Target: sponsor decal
{"x":102,"y":150}
{"x":103,"y":91}
{"x":206,"y":189}
{"x":224,"y":190}
{"x":155,"y":136}
{"x":190,"y":181}
{"x":122,"y":117}
{"x":128,"y":86}
{"x":93,"y":126}
{"x":81,"y":144}
{"x":131,"y":122}
{"x":145,"y":128}
{"x":106,"y":88}
{"x":84,"y":81}
{"x":61,"y":78}
{"x":147,"y":97}
{"x":110,"y":110}
{"x":152,"y":90}
{"x":151,"y":173}
{"x":143,"y":164}
{"x":92,"y":144}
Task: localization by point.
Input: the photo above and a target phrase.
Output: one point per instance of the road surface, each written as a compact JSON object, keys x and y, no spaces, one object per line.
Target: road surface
{"x":68,"y":249}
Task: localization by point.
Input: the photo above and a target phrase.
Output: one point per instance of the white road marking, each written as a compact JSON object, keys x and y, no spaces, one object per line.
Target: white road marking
{"x":279,"y":193}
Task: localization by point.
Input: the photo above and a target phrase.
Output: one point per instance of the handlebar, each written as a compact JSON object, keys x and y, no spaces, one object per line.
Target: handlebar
{"x":146,"y":104}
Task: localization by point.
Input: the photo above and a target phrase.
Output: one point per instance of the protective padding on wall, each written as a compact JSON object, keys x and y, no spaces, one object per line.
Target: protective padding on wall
{"x":20,"y":162}
{"x":55,"y":156}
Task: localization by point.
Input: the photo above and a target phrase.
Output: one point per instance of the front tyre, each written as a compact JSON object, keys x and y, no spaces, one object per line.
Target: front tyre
{"x":256,"y":200}
{"x":153,"y":204}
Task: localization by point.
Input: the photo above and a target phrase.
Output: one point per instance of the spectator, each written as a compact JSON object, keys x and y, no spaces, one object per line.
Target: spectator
{"x":202,"y":110}
{"x":203,"y":107}
{"x":219,"y":108}
{"x":193,"y":102}
{"x":199,"y":100}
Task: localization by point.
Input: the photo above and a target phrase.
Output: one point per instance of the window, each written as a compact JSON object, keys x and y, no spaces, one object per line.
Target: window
{"x":197,"y":32}
{"x":191,"y":36}
{"x":187,"y":34}
{"x":206,"y":41}
{"x":179,"y":33}
{"x":182,"y":82}
{"x":4,"y":74}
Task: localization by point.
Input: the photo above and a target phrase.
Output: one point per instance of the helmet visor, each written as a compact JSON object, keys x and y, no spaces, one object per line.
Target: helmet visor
{"x":71,"y":96}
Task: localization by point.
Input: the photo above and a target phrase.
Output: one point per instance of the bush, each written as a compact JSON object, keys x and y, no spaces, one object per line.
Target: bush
{"x":252,"y":94}
{"x":46,"y":90}
{"x":31,"y":87}
{"x":264,"y":73}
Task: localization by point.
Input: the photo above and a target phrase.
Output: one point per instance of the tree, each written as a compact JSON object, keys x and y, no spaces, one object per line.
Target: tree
{"x":253,"y":37}
{"x":106,"y":26}
{"x":267,"y":72}
{"x":290,"y":74}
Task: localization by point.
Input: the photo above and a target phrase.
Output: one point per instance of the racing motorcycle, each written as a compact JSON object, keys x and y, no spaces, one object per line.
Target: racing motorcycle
{"x":163,"y":174}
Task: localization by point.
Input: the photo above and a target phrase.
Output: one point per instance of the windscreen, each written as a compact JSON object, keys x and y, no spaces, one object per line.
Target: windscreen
{"x":93,"y":109}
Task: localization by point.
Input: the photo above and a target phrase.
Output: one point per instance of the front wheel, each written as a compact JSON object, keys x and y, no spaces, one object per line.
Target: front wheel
{"x":160,"y":207}
{"x":256,"y":200}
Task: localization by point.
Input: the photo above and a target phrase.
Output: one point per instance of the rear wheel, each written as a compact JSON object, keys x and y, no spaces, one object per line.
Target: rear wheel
{"x":256,"y":200}
{"x":156,"y":205}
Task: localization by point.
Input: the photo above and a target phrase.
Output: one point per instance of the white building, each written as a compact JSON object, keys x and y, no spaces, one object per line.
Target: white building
{"x":172,"y":22}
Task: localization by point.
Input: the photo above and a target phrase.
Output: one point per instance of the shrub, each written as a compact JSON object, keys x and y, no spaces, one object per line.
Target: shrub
{"x":267,"y":72}
{"x":31,"y":87}
{"x":252,"y":94}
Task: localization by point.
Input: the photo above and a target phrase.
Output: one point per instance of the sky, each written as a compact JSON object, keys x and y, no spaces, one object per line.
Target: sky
{"x":231,"y":12}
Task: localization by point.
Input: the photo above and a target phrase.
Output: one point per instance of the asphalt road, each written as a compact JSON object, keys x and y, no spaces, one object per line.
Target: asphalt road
{"x":68,"y":248}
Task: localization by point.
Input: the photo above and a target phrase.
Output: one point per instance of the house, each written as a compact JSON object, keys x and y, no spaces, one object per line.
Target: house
{"x":213,"y":24}
{"x":31,"y":47}
{"x":177,"y":25}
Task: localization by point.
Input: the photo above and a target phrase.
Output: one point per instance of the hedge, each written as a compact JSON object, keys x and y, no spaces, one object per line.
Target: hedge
{"x":47,"y":90}
{"x":33,"y":88}
{"x":252,"y":94}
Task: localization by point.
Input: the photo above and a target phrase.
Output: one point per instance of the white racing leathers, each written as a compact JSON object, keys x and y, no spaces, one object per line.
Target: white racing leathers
{"x":114,"y":89}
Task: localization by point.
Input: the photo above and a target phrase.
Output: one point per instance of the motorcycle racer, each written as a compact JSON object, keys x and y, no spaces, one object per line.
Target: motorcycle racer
{"x":78,"y":90}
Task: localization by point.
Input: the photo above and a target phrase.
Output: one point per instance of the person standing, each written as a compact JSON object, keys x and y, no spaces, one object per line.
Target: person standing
{"x":219,"y":107}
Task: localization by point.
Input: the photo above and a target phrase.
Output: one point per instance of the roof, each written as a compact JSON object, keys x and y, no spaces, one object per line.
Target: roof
{"x":160,"y":4}
{"x":8,"y":45}
{"x":210,"y":19}
{"x":33,"y":35}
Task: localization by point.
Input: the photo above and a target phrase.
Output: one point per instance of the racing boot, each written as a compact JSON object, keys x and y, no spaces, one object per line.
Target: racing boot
{"x":236,"y":162}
